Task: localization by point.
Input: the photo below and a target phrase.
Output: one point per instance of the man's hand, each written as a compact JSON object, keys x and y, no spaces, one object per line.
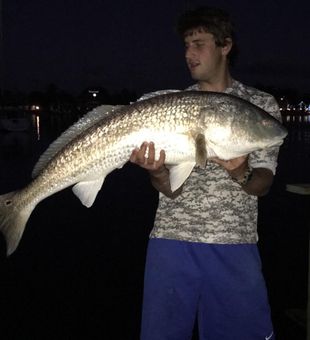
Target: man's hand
{"x":138,"y":156}
{"x":235,"y":167}
{"x":261,"y":178}
{"x":159,"y":174}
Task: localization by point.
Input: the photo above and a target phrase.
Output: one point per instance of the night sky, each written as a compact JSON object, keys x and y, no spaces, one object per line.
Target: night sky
{"x":132,"y":44}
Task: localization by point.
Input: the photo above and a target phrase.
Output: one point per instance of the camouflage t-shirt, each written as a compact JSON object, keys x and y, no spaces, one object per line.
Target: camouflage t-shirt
{"x":212,"y":208}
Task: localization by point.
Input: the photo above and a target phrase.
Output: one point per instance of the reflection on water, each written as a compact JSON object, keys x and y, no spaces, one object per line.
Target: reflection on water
{"x":296,"y":118}
{"x":37,"y":125}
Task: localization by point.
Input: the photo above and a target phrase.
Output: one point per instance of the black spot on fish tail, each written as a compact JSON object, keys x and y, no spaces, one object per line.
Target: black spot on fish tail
{"x":12,"y":220}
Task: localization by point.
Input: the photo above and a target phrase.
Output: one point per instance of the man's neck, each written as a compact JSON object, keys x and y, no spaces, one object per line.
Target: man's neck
{"x":216,"y":86}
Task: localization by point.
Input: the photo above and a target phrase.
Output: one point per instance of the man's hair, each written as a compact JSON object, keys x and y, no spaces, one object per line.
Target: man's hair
{"x":210,"y":19}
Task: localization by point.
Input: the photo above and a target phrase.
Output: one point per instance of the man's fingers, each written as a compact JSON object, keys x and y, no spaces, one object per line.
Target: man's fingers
{"x":133,"y":156}
{"x":141,"y":153}
{"x":151,"y":154}
{"x":162,"y":157}
{"x":145,"y":156}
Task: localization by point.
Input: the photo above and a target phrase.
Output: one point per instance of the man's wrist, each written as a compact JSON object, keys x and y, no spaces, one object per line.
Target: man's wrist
{"x":159,"y":172}
{"x":245,"y":178}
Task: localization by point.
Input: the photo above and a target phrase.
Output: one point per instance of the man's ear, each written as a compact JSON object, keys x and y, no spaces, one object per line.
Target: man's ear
{"x":227,"y":47}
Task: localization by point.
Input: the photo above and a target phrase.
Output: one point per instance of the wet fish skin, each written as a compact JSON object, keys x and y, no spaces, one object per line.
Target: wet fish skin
{"x":189,"y":126}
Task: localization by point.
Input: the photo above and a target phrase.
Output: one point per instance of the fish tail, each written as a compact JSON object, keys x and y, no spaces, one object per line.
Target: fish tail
{"x":12,"y":220}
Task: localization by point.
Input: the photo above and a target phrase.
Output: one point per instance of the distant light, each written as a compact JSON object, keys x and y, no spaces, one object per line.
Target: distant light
{"x":37,"y":107}
{"x":93,"y":93}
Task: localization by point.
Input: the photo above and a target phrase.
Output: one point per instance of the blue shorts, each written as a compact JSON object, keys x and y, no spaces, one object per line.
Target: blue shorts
{"x":220,"y":285}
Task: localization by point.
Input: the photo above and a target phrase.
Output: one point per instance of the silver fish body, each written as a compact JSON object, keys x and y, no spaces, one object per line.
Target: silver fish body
{"x":190,"y":126}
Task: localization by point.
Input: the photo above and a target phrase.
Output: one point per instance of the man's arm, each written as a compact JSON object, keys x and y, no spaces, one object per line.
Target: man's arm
{"x":158,"y":172}
{"x":256,"y":181}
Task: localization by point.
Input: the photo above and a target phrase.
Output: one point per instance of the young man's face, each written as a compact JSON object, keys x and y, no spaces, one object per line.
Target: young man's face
{"x":204,"y":58}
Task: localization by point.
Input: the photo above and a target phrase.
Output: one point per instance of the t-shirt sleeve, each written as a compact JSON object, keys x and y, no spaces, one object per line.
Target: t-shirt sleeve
{"x":268,"y":157}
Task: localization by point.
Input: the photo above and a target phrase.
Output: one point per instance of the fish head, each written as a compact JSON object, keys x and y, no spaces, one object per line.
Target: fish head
{"x":233,"y":126}
{"x":271,"y":132}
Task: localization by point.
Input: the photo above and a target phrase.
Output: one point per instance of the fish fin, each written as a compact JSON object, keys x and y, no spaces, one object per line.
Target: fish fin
{"x":87,"y":121}
{"x":156,"y":93}
{"x":201,"y":150}
{"x":179,"y":173}
{"x":87,"y":191}
{"x":210,"y":152}
{"x":12,"y":220}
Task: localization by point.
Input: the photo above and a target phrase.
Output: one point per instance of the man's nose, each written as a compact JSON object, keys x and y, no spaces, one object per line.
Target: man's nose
{"x":189,"y":52}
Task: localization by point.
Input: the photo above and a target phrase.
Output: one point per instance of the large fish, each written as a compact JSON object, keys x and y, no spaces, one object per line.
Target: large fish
{"x":190,"y":126}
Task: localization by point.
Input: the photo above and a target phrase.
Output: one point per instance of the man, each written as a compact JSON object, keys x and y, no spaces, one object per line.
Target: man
{"x":202,"y":259}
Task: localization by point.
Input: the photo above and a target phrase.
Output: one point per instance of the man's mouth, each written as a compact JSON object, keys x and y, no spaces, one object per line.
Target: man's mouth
{"x":192,"y":64}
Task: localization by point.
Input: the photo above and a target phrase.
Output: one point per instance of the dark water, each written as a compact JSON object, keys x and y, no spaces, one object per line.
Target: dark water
{"x":284,"y":225}
{"x":78,"y":272}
